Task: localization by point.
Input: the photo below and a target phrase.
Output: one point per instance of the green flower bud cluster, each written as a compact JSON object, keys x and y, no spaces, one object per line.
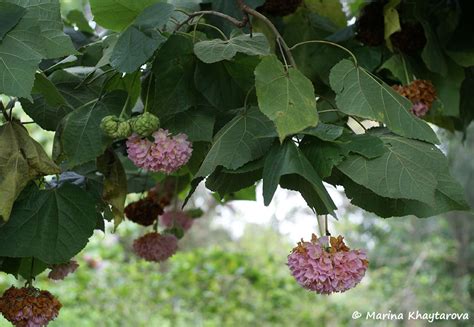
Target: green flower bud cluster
{"x":119,"y":128}
{"x":145,"y":124}
{"x":115,"y":127}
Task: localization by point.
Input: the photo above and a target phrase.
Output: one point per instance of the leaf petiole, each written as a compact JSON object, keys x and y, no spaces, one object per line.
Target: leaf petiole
{"x":328,"y":43}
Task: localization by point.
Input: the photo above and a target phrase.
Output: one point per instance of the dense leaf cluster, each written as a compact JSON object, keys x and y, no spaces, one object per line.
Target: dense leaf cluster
{"x":278,"y":102}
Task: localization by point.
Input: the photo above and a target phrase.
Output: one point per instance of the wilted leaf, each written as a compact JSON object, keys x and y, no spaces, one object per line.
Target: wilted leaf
{"x":21,"y":160}
{"x":115,"y":184}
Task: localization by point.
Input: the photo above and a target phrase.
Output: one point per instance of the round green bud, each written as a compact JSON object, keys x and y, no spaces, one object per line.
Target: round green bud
{"x":115,"y":127}
{"x":124,"y":130}
{"x":109,"y":125}
{"x":145,"y":124}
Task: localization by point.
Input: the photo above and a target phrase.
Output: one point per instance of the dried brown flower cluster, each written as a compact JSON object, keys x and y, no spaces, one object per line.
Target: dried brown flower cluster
{"x":144,"y":212}
{"x":29,"y":307}
{"x":421,"y":93}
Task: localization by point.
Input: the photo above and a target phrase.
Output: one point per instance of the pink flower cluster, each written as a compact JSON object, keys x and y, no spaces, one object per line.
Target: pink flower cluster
{"x":155,"y":247}
{"x":165,"y":154}
{"x":59,"y":272}
{"x":176,"y":218}
{"x":324,"y":268}
{"x":419,"y":109}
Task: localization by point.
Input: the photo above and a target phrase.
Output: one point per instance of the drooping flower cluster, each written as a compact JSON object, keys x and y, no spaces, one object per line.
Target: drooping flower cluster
{"x":144,"y":211}
{"x":178,"y":219}
{"x":410,"y":39}
{"x":280,"y":7}
{"x":327,"y":265}
{"x":421,"y":93}
{"x":165,"y":154}
{"x":155,"y":247}
{"x":370,"y":24}
{"x":29,"y":307}
{"x":59,"y":272}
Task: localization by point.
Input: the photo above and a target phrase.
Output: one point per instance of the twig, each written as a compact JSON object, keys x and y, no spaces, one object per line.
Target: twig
{"x":252,"y":12}
{"x":191,"y":16}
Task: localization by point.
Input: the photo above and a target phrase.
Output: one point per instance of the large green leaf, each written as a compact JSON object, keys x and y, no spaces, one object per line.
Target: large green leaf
{"x":217,"y":50}
{"x":27,"y":268}
{"x":360,"y":94}
{"x":196,"y":123}
{"x":327,"y":132}
{"x":140,"y":40}
{"x":51,"y":225}
{"x":225,"y":181}
{"x":10,"y":15}
{"x":21,"y":160}
{"x":409,"y":170}
{"x":49,"y":106}
{"x":432,"y":54}
{"x":38,"y":35}
{"x":56,"y":96}
{"x":81,"y":139}
{"x":243,"y":139}
{"x":218,"y":86}
{"x":287,"y":159}
{"x":323,"y":156}
{"x":286,"y":97}
{"x":448,"y":90}
{"x":118,"y":14}
{"x":173,"y":89}
{"x":449,"y":196}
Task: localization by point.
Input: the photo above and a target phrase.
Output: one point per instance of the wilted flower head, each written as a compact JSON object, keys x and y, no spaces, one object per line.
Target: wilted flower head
{"x":144,"y":211}
{"x":165,"y":154}
{"x":327,"y":265}
{"x":29,"y":307}
{"x":155,"y":247}
{"x":179,"y":219}
{"x":59,"y":272}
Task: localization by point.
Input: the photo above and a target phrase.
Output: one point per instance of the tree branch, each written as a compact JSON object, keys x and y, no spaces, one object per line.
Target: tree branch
{"x":252,"y":12}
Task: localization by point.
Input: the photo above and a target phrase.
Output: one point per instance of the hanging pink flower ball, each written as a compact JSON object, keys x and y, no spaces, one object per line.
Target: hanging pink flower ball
{"x":327,"y":265}
{"x":165,"y":154}
{"x":155,"y":247}
{"x":176,"y":218}
{"x":59,"y":272}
